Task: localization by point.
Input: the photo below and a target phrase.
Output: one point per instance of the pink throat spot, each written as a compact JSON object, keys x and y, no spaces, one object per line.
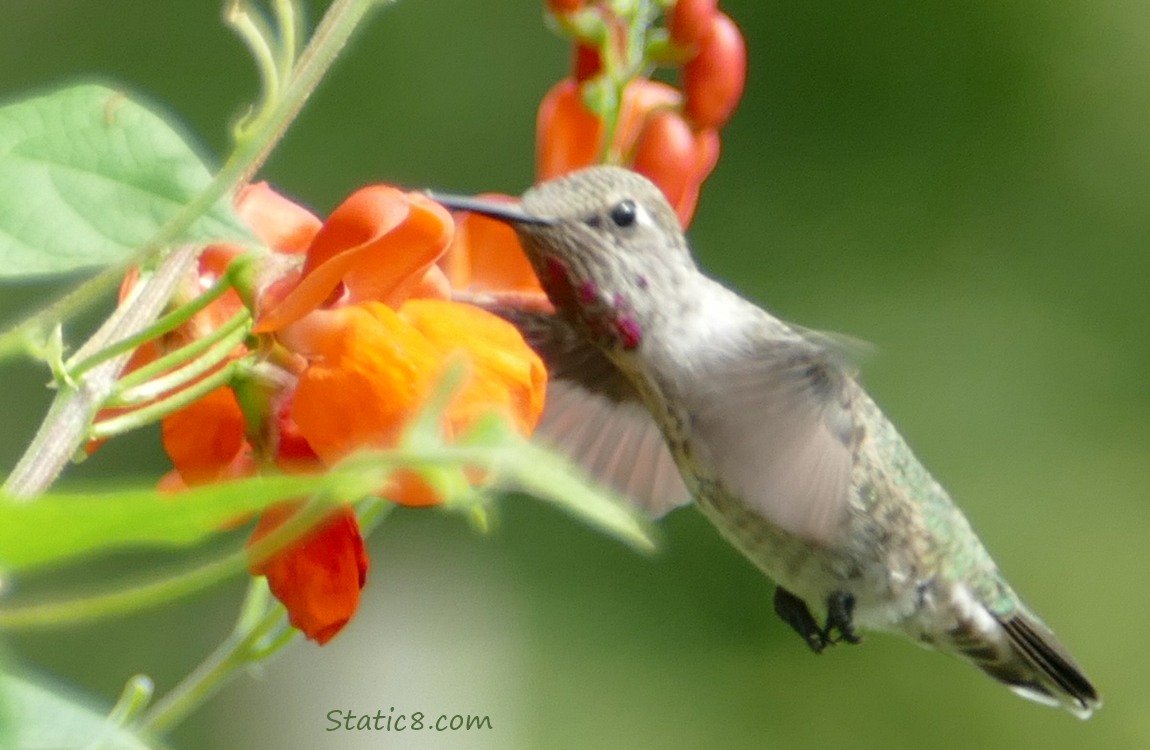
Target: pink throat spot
{"x":630,"y":334}
{"x":584,"y":301}
{"x":557,"y":283}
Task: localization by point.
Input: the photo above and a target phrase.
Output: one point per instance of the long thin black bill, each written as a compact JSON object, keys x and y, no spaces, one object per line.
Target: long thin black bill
{"x":508,"y":212}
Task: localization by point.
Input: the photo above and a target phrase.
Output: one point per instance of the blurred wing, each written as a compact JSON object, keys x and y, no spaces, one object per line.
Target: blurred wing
{"x":594,"y":416}
{"x":778,"y":428}
{"x":616,"y":442}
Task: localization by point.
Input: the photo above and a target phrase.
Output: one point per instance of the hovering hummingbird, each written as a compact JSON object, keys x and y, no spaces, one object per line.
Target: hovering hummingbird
{"x":671,"y":387}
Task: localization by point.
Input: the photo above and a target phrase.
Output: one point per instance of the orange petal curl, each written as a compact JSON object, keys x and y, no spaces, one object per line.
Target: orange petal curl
{"x":378,"y":244}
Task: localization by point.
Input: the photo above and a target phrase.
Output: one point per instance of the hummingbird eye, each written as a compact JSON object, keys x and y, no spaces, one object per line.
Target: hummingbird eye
{"x":624,"y":213}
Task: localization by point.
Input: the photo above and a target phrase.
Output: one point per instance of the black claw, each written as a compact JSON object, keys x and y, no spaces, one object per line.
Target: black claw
{"x":840,"y":608}
{"x":794,"y":612}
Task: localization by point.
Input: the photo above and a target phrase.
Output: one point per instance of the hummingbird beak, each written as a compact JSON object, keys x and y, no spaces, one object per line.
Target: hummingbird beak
{"x":510,"y":213}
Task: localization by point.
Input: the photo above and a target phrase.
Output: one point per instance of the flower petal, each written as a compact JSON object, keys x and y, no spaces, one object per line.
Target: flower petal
{"x":206,"y":437}
{"x":318,"y":577}
{"x":485,"y":255}
{"x":641,"y":99}
{"x":378,"y":243}
{"x":567,"y":134}
{"x":433,"y":285}
{"x":283,"y":225}
{"x":370,"y":373}
{"x":506,"y":375}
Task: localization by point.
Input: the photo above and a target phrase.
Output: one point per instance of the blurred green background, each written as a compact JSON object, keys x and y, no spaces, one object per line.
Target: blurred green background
{"x":966,"y":186}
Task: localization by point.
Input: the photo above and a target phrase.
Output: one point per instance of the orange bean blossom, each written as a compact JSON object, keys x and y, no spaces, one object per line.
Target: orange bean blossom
{"x":355,"y":317}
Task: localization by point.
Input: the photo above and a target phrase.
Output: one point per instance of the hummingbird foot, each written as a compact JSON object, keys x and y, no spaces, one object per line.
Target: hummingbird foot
{"x":794,"y":612}
{"x":840,"y":611}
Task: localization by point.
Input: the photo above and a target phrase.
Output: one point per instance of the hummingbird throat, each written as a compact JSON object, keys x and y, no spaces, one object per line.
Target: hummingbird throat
{"x":611,"y":324}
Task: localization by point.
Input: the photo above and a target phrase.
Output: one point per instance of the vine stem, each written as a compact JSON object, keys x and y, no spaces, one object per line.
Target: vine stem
{"x":262,"y":620}
{"x":65,"y":428}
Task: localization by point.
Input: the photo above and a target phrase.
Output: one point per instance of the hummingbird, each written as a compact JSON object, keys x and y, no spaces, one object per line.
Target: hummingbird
{"x":672,"y":388}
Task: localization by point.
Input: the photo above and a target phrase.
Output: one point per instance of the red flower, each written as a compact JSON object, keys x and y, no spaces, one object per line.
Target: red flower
{"x":320,"y":576}
{"x":668,"y":136}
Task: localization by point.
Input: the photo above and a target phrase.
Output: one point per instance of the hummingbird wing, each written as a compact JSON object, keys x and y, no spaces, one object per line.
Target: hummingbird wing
{"x":617,"y":443}
{"x":777,"y":427}
{"x":594,"y":416}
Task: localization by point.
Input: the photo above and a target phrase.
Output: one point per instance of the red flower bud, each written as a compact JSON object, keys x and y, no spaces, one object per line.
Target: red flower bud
{"x":713,"y":80}
{"x":690,"y":20}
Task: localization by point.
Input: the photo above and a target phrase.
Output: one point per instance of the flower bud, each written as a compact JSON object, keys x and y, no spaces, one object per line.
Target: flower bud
{"x":713,"y":80}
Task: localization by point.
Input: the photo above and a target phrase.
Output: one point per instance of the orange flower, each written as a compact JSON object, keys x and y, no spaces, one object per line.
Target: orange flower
{"x":373,"y":354}
{"x":364,"y":330}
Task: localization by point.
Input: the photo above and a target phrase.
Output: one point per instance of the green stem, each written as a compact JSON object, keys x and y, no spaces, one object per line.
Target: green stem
{"x":252,"y":28}
{"x":157,"y":410}
{"x":162,"y":325}
{"x":219,"y":668}
{"x":133,"y":700}
{"x":204,"y":360}
{"x":142,"y":596}
{"x":289,"y":21}
{"x":333,"y":32}
{"x":231,"y":333}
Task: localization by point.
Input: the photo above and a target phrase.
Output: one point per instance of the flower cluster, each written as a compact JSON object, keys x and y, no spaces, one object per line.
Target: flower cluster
{"x":608,"y":110}
{"x":353,"y":326}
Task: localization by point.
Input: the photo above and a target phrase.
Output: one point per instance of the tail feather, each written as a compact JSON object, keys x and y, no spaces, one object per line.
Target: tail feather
{"x":1059,"y":677}
{"x":1032,"y":662}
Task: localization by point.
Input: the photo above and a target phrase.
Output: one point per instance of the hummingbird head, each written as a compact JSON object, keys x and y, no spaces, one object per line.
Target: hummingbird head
{"x":606,"y":246}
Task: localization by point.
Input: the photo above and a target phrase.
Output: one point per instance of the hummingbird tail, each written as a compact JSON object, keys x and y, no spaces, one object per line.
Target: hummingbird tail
{"x":1032,"y":663}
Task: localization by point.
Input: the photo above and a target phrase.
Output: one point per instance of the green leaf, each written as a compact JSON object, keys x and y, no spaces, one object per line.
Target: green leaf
{"x":58,"y":527}
{"x":43,"y":717}
{"x":89,"y":177}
